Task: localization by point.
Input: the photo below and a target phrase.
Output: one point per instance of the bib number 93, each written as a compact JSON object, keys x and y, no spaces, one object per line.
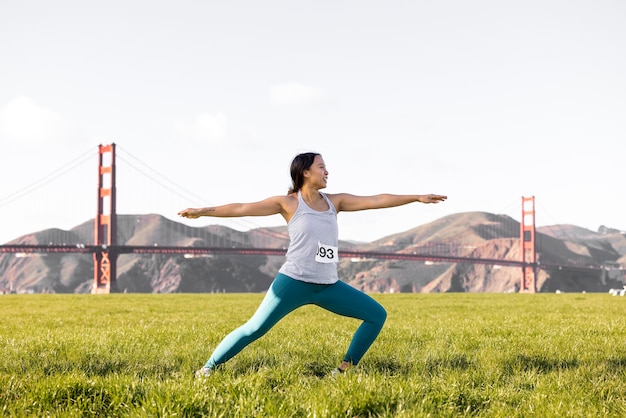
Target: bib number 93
{"x":326,"y":253}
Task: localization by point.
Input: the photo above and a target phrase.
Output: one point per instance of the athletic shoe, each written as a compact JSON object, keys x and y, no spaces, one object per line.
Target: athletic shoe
{"x":337,"y":371}
{"x":203,"y":372}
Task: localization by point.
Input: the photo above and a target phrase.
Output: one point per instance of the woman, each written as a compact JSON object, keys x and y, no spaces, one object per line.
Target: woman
{"x":309,"y":274}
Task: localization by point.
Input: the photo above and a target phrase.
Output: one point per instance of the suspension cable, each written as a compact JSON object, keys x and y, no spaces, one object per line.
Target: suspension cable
{"x":179,"y":190}
{"x":37,"y":184}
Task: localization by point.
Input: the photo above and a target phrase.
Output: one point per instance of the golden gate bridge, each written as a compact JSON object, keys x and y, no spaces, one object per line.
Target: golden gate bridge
{"x":105,"y":248}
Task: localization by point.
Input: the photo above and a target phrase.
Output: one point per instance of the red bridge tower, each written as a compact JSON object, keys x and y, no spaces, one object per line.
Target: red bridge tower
{"x":105,"y":225}
{"x":527,"y":239}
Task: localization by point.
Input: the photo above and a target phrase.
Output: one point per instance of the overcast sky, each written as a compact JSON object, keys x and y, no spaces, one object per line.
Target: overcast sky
{"x":485,"y":101}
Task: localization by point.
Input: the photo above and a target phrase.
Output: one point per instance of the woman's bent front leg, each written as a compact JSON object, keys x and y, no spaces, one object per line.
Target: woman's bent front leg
{"x":345,"y":300}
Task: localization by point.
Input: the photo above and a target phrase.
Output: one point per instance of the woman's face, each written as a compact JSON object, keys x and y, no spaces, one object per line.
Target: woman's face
{"x":317,"y":175}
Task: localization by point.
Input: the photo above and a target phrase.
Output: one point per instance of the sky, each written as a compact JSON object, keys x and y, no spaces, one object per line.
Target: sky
{"x":208,"y":102}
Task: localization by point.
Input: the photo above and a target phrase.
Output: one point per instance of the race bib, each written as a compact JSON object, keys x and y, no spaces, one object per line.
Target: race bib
{"x":326,"y":253}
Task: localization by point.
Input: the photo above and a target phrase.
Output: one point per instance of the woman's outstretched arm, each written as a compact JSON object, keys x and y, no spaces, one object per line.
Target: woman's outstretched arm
{"x":270,"y":206}
{"x":349,"y":203}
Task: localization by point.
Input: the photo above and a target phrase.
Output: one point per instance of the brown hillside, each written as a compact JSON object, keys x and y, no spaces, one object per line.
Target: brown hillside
{"x":482,"y":237}
{"x":476,"y":234}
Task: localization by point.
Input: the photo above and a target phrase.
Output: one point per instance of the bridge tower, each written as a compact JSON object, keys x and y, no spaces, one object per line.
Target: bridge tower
{"x":527,"y":241}
{"x":105,"y":225}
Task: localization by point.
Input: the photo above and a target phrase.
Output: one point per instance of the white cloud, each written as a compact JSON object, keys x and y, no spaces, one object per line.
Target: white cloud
{"x":215,"y":130}
{"x":207,"y":127}
{"x":24,"y":122}
{"x":296,"y":94}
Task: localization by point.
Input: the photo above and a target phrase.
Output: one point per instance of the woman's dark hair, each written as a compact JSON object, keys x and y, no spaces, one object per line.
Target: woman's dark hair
{"x":300,"y":163}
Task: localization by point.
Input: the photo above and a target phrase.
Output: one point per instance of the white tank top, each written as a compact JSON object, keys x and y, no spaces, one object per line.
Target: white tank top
{"x":313,"y":244}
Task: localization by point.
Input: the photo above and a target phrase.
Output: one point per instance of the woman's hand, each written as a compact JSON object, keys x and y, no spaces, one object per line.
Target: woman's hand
{"x":190,"y":213}
{"x":432,"y":198}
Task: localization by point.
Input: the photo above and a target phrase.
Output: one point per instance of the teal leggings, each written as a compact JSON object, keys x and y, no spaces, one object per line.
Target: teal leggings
{"x":285,"y":295}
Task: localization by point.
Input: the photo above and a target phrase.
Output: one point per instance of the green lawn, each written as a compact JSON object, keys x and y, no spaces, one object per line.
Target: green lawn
{"x":495,"y":355}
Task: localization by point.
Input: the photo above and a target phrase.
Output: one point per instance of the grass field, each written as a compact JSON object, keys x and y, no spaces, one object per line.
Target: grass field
{"x":491,"y":355}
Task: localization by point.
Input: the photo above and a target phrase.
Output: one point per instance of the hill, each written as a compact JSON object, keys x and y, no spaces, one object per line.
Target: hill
{"x":482,"y":235}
